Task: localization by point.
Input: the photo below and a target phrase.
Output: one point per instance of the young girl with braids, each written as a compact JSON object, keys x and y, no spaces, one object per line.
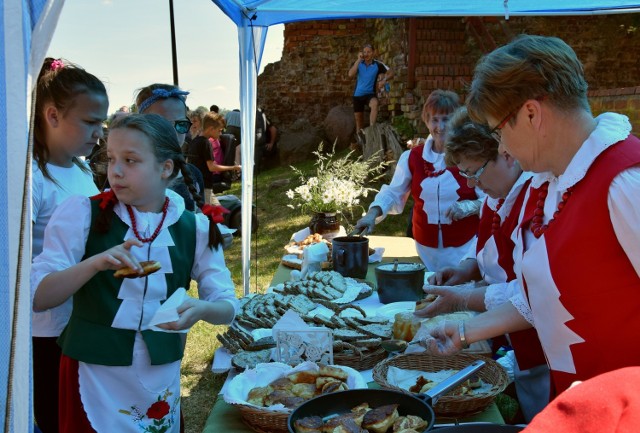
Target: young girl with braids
{"x":117,"y":374}
{"x":70,"y":106}
{"x":169,"y":101}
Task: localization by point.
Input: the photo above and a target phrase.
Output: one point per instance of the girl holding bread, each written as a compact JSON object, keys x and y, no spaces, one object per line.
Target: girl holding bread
{"x":117,"y":372}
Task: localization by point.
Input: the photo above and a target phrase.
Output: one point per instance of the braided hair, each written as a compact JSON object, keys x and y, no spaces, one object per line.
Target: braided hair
{"x":165,"y":146}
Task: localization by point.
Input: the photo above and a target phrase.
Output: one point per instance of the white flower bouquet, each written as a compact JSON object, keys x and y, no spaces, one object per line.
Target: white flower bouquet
{"x":337,"y":185}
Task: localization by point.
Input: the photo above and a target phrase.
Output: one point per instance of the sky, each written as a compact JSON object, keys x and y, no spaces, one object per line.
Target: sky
{"x":127,"y":44}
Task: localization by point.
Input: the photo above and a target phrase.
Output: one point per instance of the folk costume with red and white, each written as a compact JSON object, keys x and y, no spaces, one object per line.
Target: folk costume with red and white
{"x":118,"y":373}
{"x":580,"y":262}
{"x":440,"y":241}
{"x":494,"y":254}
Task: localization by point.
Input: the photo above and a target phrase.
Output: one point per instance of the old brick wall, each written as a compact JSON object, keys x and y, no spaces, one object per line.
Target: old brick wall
{"x":312,"y":76}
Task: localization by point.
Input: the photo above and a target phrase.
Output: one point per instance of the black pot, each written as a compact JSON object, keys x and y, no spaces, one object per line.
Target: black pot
{"x":400,"y":281}
{"x":350,"y":256}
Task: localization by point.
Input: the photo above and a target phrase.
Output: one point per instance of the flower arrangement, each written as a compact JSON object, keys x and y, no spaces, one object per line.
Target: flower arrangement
{"x":338,"y":183}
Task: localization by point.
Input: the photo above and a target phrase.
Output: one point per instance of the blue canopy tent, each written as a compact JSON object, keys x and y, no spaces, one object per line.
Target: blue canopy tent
{"x":253,"y":17}
{"x":27,"y":26}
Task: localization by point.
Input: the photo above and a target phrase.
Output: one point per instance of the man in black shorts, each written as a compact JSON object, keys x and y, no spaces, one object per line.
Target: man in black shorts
{"x":366,"y":70}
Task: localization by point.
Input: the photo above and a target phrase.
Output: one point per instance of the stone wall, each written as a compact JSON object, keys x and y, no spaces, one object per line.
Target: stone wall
{"x":432,"y":53}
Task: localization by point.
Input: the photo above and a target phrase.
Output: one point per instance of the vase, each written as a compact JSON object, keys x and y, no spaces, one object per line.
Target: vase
{"x":326,"y":224}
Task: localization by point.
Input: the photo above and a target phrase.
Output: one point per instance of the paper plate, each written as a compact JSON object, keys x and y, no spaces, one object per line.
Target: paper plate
{"x":390,"y":310}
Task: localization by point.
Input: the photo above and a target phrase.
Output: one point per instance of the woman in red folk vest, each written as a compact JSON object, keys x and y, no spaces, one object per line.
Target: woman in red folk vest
{"x":445,"y":212}
{"x":474,"y":151}
{"x":577,"y":248}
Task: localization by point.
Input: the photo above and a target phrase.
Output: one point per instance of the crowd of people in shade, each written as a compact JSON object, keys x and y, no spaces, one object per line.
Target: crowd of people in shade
{"x":520,"y":193}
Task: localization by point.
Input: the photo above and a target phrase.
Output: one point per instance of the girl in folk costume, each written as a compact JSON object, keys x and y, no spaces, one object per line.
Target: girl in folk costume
{"x":445,"y":212}
{"x":579,"y":214}
{"x":71,"y":105}
{"x":117,"y":372}
{"x":471,"y":147}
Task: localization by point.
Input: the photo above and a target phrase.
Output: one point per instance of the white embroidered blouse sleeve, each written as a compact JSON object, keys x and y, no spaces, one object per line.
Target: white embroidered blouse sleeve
{"x":65,"y":239}
{"x":625,"y":213}
{"x":498,"y":294}
{"x":209,"y":268}
{"x":392,"y":197}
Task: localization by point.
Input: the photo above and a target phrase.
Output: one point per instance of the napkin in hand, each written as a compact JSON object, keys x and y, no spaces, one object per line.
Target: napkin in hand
{"x":168,"y":311}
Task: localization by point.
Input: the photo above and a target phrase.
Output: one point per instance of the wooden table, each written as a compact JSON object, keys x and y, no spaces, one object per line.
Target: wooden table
{"x":225,"y":418}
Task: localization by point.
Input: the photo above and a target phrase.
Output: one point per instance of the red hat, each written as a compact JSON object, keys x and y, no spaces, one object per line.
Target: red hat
{"x":608,"y":403}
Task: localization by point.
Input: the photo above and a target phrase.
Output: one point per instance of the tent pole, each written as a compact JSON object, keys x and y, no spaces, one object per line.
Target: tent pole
{"x":174,"y":54}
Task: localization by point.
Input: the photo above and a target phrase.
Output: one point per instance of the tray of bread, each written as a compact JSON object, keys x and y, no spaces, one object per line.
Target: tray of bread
{"x":416,"y":373}
{"x":267,"y":393}
{"x":356,"y":336}
{"x":295,"y":250}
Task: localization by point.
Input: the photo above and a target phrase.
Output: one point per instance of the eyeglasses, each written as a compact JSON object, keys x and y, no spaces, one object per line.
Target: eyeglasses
{"x":496,"y":132}
{"x":182,"y":126}
{"x":475,"y":176}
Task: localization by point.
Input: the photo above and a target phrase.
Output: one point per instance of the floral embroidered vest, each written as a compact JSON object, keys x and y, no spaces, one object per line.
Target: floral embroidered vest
{"x":89,"y":337}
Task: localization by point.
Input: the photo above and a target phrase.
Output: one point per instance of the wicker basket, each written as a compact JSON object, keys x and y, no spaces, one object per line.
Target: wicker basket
{"x":365,"y":360}
{"x":449,"y":406}
{"x":263,"y":421}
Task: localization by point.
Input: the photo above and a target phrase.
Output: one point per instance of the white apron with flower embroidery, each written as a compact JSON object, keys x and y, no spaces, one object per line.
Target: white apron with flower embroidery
{"x":132,"y":399}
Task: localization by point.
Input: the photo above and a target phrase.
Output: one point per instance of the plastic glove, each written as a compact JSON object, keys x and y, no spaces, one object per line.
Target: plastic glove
{"x":463,"y":209}
{"x":448,"y":277}
{"x":443,"y":339}
{"x":450,"y":299}
{"x":366,"y":224}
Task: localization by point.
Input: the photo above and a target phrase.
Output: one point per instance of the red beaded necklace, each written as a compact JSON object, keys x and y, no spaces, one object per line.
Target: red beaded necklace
{"x":537,"y":228}
{"x":155,"y":234}
{"x":429,"y":170}
{"x":495,"y":225}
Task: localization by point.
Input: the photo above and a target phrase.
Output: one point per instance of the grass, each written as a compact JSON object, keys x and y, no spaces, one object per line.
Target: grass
{"x":200,"y":387}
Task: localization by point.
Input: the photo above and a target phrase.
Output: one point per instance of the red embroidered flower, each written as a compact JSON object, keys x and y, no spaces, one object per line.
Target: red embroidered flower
{"x":107,"y":197}
{"x":158,"y":410}
{"x":216,"y":213}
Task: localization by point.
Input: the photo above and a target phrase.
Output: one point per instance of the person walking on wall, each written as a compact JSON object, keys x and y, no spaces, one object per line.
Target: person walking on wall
{"x":366,"y":69}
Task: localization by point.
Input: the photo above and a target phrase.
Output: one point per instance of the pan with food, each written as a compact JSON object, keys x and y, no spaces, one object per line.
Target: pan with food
{"x":393,"y":404}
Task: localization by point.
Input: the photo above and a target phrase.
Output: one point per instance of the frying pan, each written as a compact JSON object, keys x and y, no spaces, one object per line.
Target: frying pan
{"x":421,"y":405}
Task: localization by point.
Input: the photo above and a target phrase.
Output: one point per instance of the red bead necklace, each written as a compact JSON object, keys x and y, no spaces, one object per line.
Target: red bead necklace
{"x":155,"y":234}
{"x":537,"y":228}
{"x":495,"y":225}
{"x":429,"y":170}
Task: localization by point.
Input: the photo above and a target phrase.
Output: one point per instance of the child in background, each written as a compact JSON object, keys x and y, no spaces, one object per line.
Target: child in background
{"x":71,"y":105}
{"x":205,"y":152}
{"x":117,"y":373}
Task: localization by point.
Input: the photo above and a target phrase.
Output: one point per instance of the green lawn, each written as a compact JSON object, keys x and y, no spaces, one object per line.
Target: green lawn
{"x":277,"y":222}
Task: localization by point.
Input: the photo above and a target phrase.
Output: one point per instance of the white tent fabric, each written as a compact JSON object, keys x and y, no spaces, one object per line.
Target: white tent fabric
{"x":27,"y":26}
{"x":257,"y":15}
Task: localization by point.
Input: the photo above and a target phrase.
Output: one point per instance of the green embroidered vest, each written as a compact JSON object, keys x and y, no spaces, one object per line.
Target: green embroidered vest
{"x":89,"y":337}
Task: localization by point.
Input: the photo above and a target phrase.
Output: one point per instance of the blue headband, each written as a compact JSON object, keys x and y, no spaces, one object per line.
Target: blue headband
{"x":161,"y":94}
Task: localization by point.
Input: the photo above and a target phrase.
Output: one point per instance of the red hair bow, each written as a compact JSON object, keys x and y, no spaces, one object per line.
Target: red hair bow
{"x":215,"y":212}
{"x":108,"y":198}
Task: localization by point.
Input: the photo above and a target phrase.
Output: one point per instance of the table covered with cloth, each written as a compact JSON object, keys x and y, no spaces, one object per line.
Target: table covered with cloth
{"x":225,"y":418}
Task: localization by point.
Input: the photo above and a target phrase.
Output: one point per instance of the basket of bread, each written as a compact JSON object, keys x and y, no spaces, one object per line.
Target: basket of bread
{"x":416,"y":373}
{"x":267,"y":394}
